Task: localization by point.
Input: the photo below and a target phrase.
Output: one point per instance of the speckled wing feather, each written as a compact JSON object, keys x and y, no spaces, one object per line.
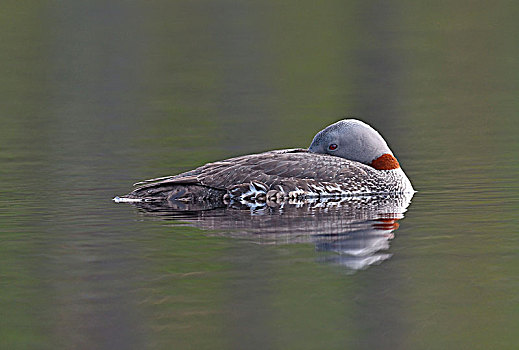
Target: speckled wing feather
{"x":292,"y":169}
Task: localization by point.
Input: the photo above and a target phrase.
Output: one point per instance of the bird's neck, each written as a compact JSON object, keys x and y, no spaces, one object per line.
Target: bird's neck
{"x":385,"y":162}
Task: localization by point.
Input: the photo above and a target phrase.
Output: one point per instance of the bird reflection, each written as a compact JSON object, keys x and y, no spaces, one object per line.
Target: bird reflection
{"x":353,"y":232}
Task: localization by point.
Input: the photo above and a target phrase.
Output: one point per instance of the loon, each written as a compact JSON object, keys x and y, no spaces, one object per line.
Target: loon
{"x":346,"y":159}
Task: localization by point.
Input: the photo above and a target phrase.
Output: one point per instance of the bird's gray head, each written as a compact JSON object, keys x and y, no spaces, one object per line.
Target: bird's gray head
{"x":354,"y":140}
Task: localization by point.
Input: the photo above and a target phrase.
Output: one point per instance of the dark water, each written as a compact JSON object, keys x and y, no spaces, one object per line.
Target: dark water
{"x":96,"y":96}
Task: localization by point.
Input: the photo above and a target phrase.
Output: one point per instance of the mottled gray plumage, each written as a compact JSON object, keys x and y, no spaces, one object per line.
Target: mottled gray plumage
{"x":290,"y":173}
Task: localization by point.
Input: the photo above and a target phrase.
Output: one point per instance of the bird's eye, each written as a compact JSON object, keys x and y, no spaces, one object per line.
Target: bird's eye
{"x":332,"y":147}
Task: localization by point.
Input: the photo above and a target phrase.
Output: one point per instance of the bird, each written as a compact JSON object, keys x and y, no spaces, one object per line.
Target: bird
{"x":348,"y":158}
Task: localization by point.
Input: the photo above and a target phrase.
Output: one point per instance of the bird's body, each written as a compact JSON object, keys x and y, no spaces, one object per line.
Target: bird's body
{"x":348,"y":158}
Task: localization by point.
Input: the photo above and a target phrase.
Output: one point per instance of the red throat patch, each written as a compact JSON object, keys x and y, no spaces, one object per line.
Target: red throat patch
{"x":385,"y":162}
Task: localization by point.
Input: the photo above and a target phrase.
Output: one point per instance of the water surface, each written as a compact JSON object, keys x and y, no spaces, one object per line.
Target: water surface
{"x":97,"y":96}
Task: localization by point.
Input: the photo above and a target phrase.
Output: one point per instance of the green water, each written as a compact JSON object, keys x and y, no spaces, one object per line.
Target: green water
{"x":96,"y":96}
